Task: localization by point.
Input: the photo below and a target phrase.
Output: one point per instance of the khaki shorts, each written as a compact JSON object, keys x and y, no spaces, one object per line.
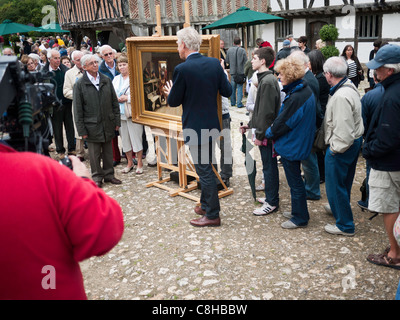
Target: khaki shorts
{"x":384,"y":191}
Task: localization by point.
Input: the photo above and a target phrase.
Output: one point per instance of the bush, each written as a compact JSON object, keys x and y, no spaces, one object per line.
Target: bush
{"x":330,"y":51}
{"x":329,"y":33}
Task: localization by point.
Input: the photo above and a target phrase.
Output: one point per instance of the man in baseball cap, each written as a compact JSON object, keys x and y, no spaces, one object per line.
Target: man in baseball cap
{"x":382,"y":149}
{"x":388,"y":54}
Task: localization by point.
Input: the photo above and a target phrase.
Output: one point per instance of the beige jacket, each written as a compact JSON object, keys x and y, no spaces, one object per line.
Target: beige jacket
{"x":343,"y":120}
{"x":71,"y":76}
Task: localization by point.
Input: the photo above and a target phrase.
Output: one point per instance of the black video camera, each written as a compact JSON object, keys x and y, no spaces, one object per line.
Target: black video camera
{"x":27,"y":102}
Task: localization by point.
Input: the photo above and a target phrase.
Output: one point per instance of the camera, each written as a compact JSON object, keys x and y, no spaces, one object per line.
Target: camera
{"x":27,"y":103}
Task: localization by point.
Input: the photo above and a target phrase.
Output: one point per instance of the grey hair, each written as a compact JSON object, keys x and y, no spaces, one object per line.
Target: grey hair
{"x":190,"y":37}
{"x":103,"y":47}
{"x":88,"y":57}
{"x":75,"y":53}
{"x":301,"y":55}
{"x":395,"y":67}
{"x":337,"y":66}
{"x":50,"y":53}
{"x":34,"y":56}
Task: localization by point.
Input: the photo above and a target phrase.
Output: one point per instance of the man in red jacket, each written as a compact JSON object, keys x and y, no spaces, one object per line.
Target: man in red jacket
{"x":51,"y":218}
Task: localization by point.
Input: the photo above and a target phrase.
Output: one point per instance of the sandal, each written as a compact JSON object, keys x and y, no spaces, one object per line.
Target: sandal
{"x":127,"y":169}
{"x":383,"y":259}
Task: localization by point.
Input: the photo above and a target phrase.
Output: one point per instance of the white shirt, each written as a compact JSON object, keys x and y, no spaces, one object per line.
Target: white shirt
{"x":95,"y":81}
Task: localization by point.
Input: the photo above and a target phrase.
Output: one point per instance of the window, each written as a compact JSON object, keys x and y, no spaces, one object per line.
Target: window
{"x":284,"y":28}
{"x":368,"y":26}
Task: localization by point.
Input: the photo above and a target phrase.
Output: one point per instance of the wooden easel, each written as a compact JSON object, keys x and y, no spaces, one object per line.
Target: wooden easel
{"x":185,"y":166}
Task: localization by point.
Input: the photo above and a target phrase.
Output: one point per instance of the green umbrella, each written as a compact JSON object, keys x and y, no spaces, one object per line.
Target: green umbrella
{"x":242,"y":18}
{"x":52,"y":27}
{"x":249,"y":163}
{"x":9,"y":27}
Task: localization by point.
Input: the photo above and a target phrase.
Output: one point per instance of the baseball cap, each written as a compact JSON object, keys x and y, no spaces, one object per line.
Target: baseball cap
{"x":388,"y":54}
{"x":286,"y":43}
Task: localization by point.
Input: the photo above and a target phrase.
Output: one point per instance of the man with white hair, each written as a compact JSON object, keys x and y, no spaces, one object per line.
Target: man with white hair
{"x":382,"y":149}
{"x":344,"y":127}
{"x":109,"y":68}
{"x":97,"y":117}
{"x":62,"y":116}
{"x":71,"y":77}
{"x":191,"y":80}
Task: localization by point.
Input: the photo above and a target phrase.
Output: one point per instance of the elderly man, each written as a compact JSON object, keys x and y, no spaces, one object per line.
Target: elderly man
{"x":97,"y":117}
{"x":71,"y":77}
{"x":191,"y":79}
{"x":63,"y":115}
{"x":382,"y":150}
{"x":109,"y":68}
{"x":8,"y":52}
{"x":344,"y":127}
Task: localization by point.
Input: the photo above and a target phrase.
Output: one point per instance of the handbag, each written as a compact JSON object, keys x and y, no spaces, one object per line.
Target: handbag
{"x":319,"y":140}
{"x":239,"y":78}
{"x":127,"y":107}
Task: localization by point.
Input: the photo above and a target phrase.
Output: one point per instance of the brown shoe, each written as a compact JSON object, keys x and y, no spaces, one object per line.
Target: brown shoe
{"x":205,"y":222}
{"x":199,"y":210}
{"x":113,"y":181}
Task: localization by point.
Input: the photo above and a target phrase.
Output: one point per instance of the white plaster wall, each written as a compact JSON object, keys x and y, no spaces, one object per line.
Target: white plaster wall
{"x":299,"y":28}
{"x":390,"y":25}
{"x":346,"y":26}
{"x":364,"y":48}
{"x":268,"y":33}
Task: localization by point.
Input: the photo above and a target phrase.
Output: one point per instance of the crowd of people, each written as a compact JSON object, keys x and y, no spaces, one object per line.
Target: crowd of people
{"x":292,"y":94}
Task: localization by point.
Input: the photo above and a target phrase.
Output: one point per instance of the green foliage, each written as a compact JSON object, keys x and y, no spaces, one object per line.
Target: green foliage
{"x":330,"y":51}
{"x":329,"y":33}
{"x":25,"y":11}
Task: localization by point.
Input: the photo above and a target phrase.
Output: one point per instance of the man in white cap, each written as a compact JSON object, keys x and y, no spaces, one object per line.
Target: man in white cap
{"x":382,"y":149}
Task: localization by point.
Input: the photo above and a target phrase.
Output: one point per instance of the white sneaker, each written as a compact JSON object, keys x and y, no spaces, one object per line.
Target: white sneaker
{"x":261,"y":200}
{"x":290,"y":225}
{"x":260,"y":187}
{"x":328,"y":209}
{"x":265,"y":209}
{"x":333,"y":229}
{"x":287,"y":215}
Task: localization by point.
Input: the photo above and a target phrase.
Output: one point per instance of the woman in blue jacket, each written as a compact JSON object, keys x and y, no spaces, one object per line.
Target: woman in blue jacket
{"x":293,"y":132}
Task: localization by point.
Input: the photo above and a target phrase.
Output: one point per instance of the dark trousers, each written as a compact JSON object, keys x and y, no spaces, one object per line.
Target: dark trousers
{"x":270,"y":174}
{"x":63,"y":116}
{"x":101,"y":161}
{"x":202,"y":159}
{"x":297,"y":192}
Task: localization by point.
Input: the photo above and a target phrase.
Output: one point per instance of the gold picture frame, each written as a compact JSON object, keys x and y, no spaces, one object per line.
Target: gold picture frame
{"x":151,"y":63}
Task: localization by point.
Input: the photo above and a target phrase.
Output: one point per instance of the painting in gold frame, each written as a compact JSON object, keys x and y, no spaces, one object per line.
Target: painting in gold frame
{"x":152,"y":61}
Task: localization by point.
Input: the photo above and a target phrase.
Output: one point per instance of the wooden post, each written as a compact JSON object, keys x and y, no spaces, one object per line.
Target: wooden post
{"x":187,"y":15}
{"x":158,"y":19}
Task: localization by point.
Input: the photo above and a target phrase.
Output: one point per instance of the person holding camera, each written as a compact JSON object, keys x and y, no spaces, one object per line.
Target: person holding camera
{"x":54,"y":220}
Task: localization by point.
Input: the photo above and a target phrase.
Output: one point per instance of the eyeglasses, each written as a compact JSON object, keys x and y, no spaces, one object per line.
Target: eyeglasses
{"x":8,"y":54}
{"x":108,"y":54}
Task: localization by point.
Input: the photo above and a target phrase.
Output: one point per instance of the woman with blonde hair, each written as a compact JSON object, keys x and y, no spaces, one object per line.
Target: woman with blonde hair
{"x":131,"y":133}
{"x":293,"y":132}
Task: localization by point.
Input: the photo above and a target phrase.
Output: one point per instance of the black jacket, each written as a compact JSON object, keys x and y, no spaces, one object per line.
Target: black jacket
{"x":382,"y":142}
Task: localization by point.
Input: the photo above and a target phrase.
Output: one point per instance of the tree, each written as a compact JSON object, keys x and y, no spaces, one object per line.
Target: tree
{"x":329,"y":33}
{"x":25,"y":11}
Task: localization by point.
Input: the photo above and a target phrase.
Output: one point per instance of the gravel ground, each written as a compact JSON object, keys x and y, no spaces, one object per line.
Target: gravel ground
{"x":162,"y":257}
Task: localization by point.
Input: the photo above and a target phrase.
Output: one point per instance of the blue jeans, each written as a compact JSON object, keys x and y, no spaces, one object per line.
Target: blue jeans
{"x":311,"y":176}
{"x":339,"y":174}
{"x":239,"y":88}
{"x":202,"y":159}
{"x":271,"y":175}
{"x":297,"y":192}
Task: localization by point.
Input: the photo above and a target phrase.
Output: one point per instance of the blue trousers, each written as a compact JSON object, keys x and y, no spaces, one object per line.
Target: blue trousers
{"x":271,"y":175}
{"x":311,"y":176}
{"x":239,"y":89}
{"x":339,"y":174}
{"x":297,"y":192}
{"x":202,"y":159}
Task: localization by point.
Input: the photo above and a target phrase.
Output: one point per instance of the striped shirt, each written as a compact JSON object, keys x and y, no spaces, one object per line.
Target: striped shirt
{"x":352,"y":72}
